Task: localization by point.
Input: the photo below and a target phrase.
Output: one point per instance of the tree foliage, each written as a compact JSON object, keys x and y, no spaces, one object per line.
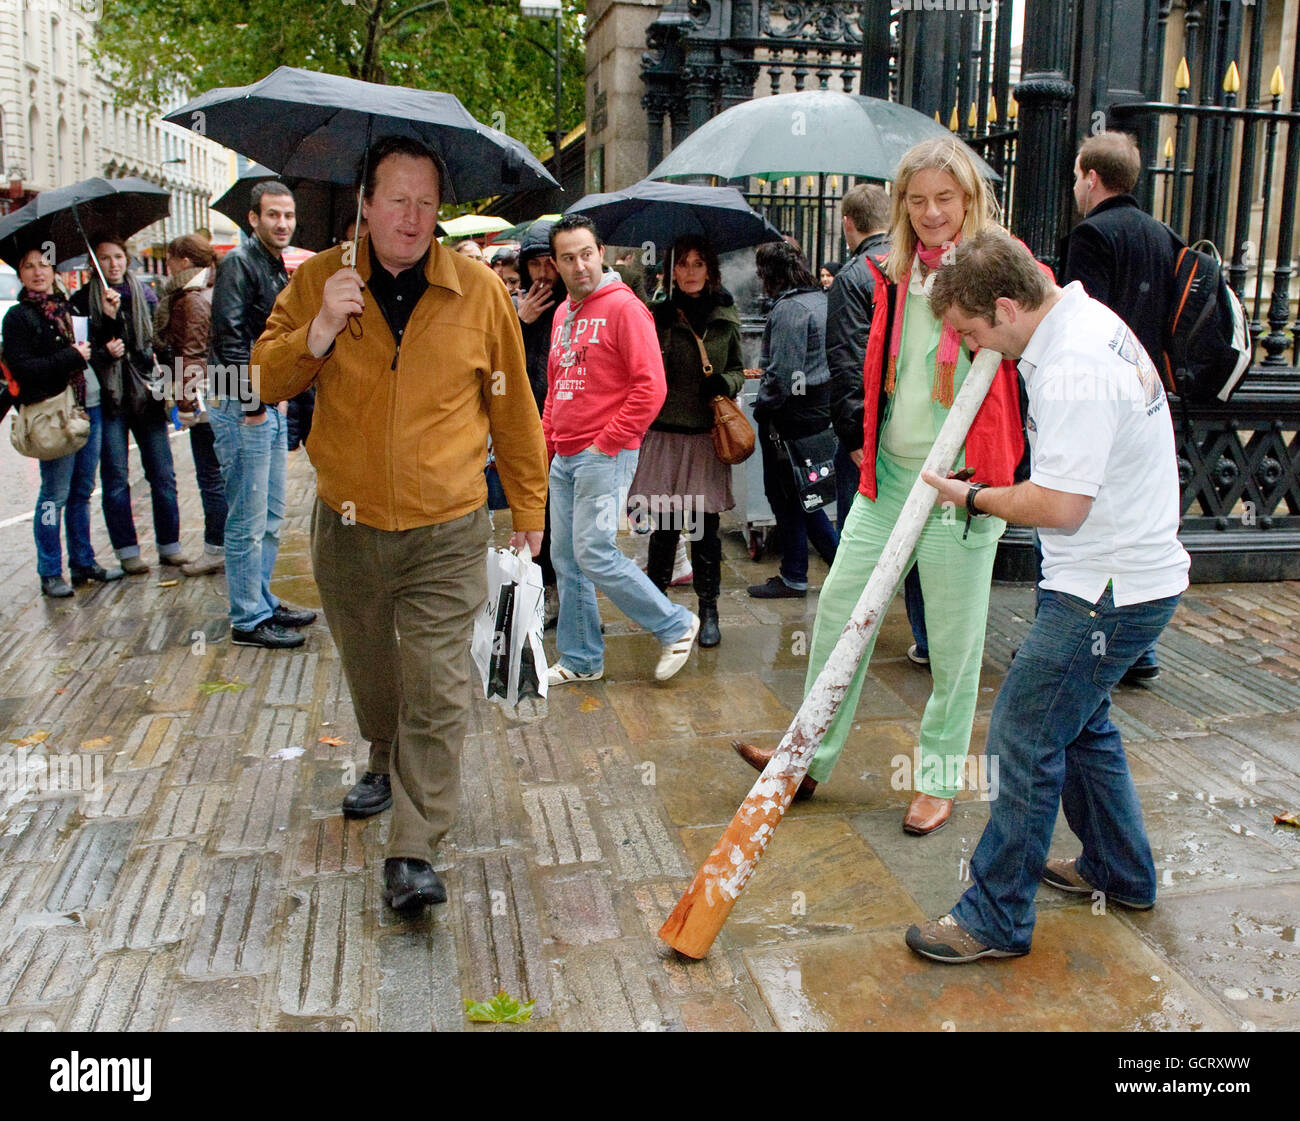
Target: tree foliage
{"x":498,"y":63}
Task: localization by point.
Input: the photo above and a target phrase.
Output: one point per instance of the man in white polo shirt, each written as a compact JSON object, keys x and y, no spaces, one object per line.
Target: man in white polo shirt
{"x":1103,"y":491}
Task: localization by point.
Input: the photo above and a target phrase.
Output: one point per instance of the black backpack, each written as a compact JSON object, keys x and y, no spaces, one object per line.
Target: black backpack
{"x":1207,"y":344}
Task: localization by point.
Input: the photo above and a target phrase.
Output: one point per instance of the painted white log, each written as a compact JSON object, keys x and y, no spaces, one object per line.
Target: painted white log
{"x":702,"y":910}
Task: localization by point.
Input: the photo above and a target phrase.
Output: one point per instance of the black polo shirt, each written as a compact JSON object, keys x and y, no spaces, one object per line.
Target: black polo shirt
{"x":397,"y":295}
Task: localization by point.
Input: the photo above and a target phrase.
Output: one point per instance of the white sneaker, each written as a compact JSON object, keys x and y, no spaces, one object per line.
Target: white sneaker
{"x":682,"y":572}
{"x":676,"y":653}
{"x":562,"y":675}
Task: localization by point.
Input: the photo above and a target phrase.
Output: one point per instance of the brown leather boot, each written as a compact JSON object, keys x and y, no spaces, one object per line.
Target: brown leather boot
{"x":758,"y":758}
{"x":926,"y":814}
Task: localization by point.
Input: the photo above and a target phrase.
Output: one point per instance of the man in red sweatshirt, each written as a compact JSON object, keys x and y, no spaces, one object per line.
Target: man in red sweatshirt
{"x":606,"y":384}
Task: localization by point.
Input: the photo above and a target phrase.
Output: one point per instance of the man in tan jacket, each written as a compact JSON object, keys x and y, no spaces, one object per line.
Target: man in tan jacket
{"x":417,"y":357}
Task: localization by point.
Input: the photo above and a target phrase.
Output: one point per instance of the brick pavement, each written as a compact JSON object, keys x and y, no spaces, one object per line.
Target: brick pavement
{"x":209,"y":882}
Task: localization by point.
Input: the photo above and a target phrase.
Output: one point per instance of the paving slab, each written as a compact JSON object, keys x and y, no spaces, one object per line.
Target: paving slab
{"x":1082,"y":975}
{"x":1240,"y":945}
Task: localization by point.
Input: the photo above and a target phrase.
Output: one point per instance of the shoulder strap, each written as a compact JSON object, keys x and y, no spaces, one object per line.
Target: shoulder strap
{"x":704,"y":354}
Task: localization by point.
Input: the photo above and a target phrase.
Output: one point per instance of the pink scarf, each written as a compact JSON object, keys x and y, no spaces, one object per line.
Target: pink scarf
{"x":949,"y":340}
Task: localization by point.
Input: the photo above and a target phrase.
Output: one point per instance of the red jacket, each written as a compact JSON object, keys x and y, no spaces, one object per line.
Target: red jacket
{"x":996,"y":440}
{"x":606,"y":382}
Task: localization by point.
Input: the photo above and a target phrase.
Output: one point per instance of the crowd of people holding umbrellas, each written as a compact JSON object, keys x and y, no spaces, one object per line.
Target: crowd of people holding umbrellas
{"x":313,"y":135}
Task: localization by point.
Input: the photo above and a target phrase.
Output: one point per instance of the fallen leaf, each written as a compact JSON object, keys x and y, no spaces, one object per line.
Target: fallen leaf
{"x":501,"y":1009}
{"x":332,"y":741}
{"x":34,"y":738}
{"x":210,"y":687}
{"x":589,"y":704}
{"x":60,"y":692}
{"x":1291,"y":818}
{"x":168,"y":583}
{"x":95,"y":744}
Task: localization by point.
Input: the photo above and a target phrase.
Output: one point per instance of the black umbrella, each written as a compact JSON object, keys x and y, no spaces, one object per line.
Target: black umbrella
{"x":323,"y":209}
{"x":660,"y":213}
{"x":65,"y":222}
{"x":319,"y":126}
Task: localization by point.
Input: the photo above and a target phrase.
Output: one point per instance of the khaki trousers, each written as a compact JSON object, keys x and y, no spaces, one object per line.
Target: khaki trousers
{"x":401,"y":605}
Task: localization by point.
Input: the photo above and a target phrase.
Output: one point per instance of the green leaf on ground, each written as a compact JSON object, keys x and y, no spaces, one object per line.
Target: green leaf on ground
{"x":501,"y":1009}
{"x":210,"y":687}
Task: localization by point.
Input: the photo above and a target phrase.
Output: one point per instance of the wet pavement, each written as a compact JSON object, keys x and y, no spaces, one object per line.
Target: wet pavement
{"x":178,"y":860}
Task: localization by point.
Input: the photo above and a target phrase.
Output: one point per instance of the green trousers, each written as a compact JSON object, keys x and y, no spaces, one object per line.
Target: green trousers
{"x":955,"y":579}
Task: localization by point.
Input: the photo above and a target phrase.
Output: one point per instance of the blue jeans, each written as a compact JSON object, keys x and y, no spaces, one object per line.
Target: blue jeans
{"x":212,"y":490}
{"x":253,"y":460}
{"x":915,"y":603}
{"x":150,"y":432}
{"x":847,"y":476}
{"x":797,"y":527}
{"x":1051,"y":740}
{"x":585,"y":499}
{"x":66,"y":486}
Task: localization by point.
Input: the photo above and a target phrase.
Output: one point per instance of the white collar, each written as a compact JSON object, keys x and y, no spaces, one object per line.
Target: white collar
{"x":1048,"y":332}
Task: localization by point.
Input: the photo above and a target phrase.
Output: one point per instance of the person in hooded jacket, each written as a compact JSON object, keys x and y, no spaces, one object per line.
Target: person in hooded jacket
{"x":606,"y":386}
{"x":182,"y":325}
{"x":680,"y":481}
{"x":540,"y":293}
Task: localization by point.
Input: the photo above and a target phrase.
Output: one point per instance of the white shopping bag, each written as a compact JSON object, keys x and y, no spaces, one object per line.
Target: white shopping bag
{"x":507,"y":642}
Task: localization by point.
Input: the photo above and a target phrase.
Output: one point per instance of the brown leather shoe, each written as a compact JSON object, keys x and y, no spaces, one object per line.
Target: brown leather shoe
{"x":758,"y":758}
{"x":926,"y":814}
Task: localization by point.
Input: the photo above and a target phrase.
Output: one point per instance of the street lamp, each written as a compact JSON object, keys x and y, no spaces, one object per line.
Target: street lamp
{"x":551,"y":9}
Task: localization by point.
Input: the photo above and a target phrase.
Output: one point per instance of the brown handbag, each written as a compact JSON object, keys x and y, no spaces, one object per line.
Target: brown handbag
{"x":733,"y":435}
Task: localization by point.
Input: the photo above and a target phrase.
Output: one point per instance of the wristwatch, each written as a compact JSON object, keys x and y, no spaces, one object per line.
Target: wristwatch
{"x":975,"y":488}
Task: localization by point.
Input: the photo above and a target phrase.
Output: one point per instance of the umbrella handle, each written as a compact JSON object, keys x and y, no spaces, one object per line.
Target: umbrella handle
{"x":90,"y":252}
{"x":350,"y":252}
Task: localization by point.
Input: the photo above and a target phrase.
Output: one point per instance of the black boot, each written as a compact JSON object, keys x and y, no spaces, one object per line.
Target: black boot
{"x":706,"y":562}
{"x":659,"y":564}
{"x":710,"y":635}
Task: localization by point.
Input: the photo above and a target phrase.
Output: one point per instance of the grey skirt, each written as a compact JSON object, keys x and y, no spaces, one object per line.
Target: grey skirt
{"x":678,"y":466}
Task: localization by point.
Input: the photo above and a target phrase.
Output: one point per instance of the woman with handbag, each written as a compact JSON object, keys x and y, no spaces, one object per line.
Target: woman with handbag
{"x":182,"y":326}
{"x":680,"y":481}
{"x":793,"y":406}
{"x":133,"y":403}
{"x":914,"y":366}
{"x":47,"y":362}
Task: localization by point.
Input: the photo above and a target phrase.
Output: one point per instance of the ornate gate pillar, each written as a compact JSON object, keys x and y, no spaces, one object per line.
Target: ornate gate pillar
{"x":1045,"y":153}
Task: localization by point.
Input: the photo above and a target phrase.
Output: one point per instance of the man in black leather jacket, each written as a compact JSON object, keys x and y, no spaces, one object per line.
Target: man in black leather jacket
{"x":250,"y":438}
{"x":865,"y":217}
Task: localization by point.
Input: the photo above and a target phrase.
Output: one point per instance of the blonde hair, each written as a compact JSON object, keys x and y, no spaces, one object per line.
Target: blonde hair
{"x":944,"y":153}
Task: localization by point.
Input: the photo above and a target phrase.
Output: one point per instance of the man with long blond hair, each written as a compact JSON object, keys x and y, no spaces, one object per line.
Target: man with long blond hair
{"x":914,"y":367}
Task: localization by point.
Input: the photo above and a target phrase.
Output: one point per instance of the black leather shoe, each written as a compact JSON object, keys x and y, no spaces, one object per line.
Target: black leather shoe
{"x":94,"y":572}
{"x":372,"y":795}
{"x":286,"y":616}
{"x":54,"y":587}
{"x":409,"y":884}
{"x":268,"y":635}
{"x":775,"y":588}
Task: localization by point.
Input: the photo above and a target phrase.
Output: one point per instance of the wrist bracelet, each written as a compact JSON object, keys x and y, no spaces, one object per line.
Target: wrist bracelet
{"x":970,"y":500}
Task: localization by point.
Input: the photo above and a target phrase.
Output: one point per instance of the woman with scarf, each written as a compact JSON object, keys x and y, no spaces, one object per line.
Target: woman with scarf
{"x":122,"y":357}
{"x":182,"y":326}
{"x":914,"y":366}
{"x":44,"y":359}
{"x":680,"y":481}
{"x":793,"y":403}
